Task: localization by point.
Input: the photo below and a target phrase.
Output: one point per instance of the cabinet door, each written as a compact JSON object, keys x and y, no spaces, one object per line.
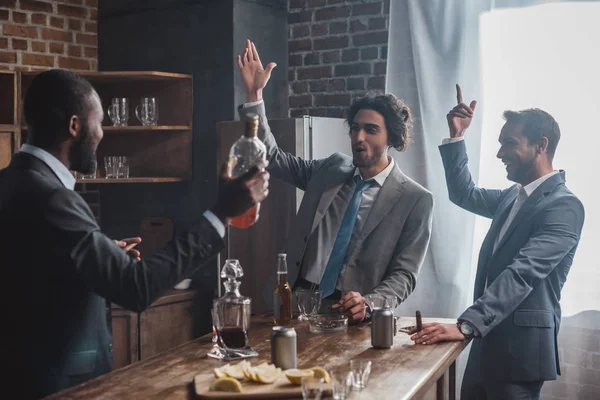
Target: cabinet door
{"x":125,"y":337}
{"x":164,"y":326}
{"x":6,"y":148}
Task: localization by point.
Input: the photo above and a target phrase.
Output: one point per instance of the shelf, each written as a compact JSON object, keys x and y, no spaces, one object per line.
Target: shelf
{"x":126,"y":129}
{"x":130,"y":180}
{"x":112,"y":76}
{"x":160,"y":128}
{"x":7,"y":128}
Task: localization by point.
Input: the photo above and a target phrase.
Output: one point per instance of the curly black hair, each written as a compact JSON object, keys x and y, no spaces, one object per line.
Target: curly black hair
{"x":397,"y":116}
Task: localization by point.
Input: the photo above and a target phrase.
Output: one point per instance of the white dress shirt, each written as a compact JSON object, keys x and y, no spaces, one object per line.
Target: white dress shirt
{"x":68,"y":180}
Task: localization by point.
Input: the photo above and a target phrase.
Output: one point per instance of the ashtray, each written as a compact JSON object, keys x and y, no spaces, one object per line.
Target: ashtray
{"x":328,"y":323}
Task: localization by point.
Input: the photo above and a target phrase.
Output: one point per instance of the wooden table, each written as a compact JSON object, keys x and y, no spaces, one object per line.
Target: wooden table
{"x":406,"y":371}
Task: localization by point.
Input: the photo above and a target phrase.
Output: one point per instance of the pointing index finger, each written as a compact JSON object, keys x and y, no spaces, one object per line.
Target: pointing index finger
{"x":459,"y":98}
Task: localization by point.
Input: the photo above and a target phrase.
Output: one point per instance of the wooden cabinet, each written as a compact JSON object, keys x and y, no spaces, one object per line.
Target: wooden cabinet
{"x":9,"y":138}
{"x":167,"y":323}
{"x":161,"y":153}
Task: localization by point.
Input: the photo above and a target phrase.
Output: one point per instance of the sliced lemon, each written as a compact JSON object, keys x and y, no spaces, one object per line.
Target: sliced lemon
{"x":218,"y":372}
{"x":268,"y":375}
{"x":321,"y":373}
{"x":295,"y":375}
{"x":226,"y":384}
{"x":237,"y":370}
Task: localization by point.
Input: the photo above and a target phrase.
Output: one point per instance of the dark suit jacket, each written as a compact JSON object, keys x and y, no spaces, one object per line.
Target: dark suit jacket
{"x":60,"y":272}
{"x":518,"y":314}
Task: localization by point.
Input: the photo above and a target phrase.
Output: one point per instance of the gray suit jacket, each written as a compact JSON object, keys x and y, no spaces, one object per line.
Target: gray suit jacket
{"x":518,"y":314}
{"x":395,"y":236}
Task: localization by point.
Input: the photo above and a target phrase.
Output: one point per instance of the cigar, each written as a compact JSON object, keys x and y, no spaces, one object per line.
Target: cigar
{"x":419,"y":322}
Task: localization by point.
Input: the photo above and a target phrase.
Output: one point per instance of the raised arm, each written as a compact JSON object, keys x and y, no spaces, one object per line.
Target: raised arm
{"x":461,"y":189}
{"x":293,"y":170}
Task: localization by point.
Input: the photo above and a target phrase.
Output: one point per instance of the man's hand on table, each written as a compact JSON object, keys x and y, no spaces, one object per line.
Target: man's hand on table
{"x":434,"y":332}
{"x":353,"y":305}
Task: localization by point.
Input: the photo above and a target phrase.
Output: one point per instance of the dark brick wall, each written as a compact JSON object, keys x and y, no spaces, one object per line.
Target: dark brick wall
{"x":337,"y":51}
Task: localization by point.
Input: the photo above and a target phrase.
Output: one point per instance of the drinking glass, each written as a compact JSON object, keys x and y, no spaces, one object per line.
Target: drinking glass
{"x":110,"y":167}
{"x":360,"y":369}
{"x":122,"y":167}
{"x":118,"y":111}
{"x":312,"y":388}
{"x":309,"y":303}
{"x":147,"y":111}
{"x":341,"y":383}
{"x":378,"y":302}
{"x":91,"y":175}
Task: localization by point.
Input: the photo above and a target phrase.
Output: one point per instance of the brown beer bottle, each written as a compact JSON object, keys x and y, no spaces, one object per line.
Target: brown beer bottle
{"x":282,"y":295}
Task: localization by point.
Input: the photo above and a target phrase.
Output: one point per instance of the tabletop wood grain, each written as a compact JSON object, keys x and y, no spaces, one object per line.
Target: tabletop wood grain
{"x":404,"y":371}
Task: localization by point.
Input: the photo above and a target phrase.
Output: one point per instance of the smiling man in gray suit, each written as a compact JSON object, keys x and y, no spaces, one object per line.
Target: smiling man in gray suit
{"x":363,"y":226}
{"x":523,"y":262}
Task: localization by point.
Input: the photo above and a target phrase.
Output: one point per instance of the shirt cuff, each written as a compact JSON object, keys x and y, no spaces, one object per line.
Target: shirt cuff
{"x":453,"y":140}
{"x":216,"y":222}
{"x":252,"y":103}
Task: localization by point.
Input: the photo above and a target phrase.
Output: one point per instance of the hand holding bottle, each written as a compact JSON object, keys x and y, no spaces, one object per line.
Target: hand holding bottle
{"x":237,"y":195}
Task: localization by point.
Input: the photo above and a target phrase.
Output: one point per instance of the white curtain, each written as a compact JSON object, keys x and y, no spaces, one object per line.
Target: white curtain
{"x":434,"y":44}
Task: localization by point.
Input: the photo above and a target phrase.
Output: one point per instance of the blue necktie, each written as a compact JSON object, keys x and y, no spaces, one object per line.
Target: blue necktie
{"x":338,"y":254}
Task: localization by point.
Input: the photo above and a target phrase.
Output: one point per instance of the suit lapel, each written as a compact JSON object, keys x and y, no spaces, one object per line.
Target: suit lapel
{"x":387,"y":197}
{"x":334,"y":184}
{"x":538,"y":194}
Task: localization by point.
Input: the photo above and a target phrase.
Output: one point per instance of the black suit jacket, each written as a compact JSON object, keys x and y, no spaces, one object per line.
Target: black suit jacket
{"x":60,"y":272}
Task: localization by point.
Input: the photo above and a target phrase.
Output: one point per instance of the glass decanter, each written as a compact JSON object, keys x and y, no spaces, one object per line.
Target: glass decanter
{"x":231,"y":317}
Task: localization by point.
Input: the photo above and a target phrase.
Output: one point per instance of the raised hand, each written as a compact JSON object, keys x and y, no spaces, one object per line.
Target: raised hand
{"x":238,"y":195}
{"x":254,"y":76}
{"x":460,"y":117}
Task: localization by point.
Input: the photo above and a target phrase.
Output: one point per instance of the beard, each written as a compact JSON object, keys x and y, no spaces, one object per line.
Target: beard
{"x":523,"y":169}
{"x":362,"y":160}
{"x":83,"y":154}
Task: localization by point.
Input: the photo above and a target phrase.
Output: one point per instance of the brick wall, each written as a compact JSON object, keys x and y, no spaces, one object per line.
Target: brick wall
{"x":38,"y":35}
{"x":579,"y":350}
{"x":337,"y":51}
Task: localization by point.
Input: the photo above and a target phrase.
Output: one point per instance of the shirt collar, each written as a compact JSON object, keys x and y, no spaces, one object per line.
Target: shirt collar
{"x":59,"y":169}
{"x":382,"y":176}
{"x":536,"y":184}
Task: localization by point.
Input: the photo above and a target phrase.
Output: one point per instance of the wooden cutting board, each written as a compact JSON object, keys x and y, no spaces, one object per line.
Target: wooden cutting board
{"x":281,"y":389}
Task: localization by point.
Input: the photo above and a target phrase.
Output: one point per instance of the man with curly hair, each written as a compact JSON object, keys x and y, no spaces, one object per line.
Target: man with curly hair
{"x":363,"y":227}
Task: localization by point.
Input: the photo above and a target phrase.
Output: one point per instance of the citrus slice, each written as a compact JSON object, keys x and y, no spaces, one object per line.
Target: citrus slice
{"x":218,"y":372}
{"x":237,"y":370}
{"x":295,"y":375}
{"x":226,"y":384}
{"x":268,"y":375}
{"x":321,"y":373}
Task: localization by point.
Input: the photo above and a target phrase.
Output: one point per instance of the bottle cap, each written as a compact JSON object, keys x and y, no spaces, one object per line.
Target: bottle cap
{"x":251,"y":125}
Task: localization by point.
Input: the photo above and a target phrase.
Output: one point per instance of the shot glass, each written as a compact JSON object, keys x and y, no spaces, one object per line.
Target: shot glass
{"x":360,"y":369}
{"x":110,"y":167}
{"x":312,"y":388}
{"x":122,"y":167}
{"x":341,"y":383}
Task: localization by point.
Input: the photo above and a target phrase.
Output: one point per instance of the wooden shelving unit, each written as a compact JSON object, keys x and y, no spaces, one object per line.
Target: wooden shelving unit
{"x":131,"y":180}
{"x":9,"y":134}
{"x":157,"y":154}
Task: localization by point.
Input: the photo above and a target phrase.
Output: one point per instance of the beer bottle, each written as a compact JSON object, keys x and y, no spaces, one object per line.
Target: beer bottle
{"x":282,"y":295}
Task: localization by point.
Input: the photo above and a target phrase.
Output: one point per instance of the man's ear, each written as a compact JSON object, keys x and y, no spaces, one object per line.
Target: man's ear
{"x":74,"y":126}
{"x":542,"y":144}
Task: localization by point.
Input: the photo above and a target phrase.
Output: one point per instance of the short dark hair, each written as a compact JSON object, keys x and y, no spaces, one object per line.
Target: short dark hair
{"x":536,"y":124}
{"x":52,"y":99}
{"x":397,"y":116}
